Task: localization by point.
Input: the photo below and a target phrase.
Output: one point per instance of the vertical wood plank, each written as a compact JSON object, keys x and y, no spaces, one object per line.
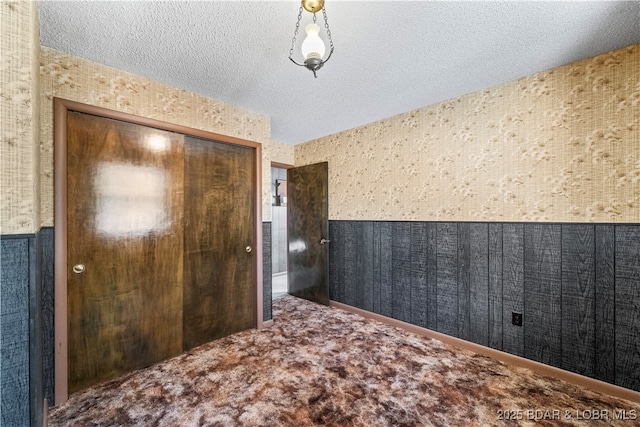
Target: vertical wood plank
{"x":464,"y":281}
{"x":627,"y":297}
{"x":350,"y":262}
{"x":578,"y":293}
{"x":267,"y":271}
{"x":401,"y":308}
{"x":605,"y":303}
{"x":479,"y":283}
{"x":401,"y":271}
{"x":386,"y":269}
{"x":542,"y":291}
{"x":513,"y":287}
{"x":447,"y":277}
{"x":432,"y":281}
{"x":376,"y":267}
{"x":401,"y":244}
{"x":360,"y":257}
{"x":419,"y":273}
{"x":495,"y":286}
{"x":338,"y":244}
{"x":36,"y":389}
{"x":333,"y":260}
{"x":365,"y":278}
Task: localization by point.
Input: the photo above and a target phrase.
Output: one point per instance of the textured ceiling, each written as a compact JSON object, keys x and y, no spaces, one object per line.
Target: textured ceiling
{"x":390,"y":57}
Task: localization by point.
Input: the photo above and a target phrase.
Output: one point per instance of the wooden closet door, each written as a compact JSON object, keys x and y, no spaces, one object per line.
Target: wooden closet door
{"x":125,"y":247}
{"x":220,"y":270}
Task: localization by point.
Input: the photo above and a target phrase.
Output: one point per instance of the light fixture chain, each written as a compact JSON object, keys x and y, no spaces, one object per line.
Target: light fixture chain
{"x":326,"y":26}
{"x":295,"y":33}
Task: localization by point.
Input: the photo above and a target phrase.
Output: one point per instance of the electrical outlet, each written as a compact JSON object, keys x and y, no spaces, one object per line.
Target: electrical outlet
{"x":516,"y":318}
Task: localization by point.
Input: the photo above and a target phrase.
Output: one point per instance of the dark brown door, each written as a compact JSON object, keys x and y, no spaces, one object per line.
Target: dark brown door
{"x":307,"y":232}
{"x":125,"y":247}
{"x":219,"y":281}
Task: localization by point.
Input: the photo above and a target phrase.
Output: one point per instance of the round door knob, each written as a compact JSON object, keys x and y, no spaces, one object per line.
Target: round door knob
{"x":78,"y":268}
{"x":248,"y":249}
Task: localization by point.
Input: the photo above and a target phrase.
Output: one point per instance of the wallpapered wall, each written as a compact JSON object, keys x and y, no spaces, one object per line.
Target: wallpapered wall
{"x":19,"y":120}
{"x":561,"y":145}
{"x":74,"y":78}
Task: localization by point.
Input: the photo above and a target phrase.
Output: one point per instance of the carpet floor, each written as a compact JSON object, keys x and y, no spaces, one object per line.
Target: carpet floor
{"x":321,"y":366}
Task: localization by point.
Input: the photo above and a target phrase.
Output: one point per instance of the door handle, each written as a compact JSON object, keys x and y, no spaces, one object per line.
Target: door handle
{"x":248,"y":249}
{"x":324,"y":241}
{"x":78,"y":268}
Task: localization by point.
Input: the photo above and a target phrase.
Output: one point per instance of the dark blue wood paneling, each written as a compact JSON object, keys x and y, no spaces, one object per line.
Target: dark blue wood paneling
{"x":605,"y":303}
{"x":495,"y":286}
{"x":386,"y":269}
{"x":464,"y":281}
{"x":14,"y":331}
{"x":447,"y":278}
{"x":365,"y":266}
{"x":401,"y":244}
{"x":401,"y":308}
{"x":350,"y":259}
{"x":331,"y":277}
{"x":432,"y":281}
{"x":627,"y":296}
{"x":267,"y":279}
{"x":542,"y":293}
{"x":376,"y":267}
{"x":48,"y":290}
{"x":479,"y":283}
{"x":576,"y":285}
{"x":335,"y":262}
{"x":401,"y":271}
{"x":419,"y":292}
{"x":36,"y":389}
{"x":360,"y":257}
{"x":578,"y":302}
{"x":512,"y":287}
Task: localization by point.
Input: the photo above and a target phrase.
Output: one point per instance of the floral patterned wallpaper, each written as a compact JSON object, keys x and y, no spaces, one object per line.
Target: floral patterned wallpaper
{"x":19,"y":179}
{"x":561,"y":145}
{"x":74,"y":78}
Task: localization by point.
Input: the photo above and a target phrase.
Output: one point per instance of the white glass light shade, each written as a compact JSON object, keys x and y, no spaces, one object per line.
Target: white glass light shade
{"x":312,"y":46}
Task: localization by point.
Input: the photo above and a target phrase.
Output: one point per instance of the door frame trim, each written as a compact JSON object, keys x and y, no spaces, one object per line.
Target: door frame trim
{"x":60,"y":110}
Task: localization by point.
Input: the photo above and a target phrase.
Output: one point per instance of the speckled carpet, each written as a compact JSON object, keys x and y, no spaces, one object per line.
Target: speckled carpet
{"x":323,"y":366}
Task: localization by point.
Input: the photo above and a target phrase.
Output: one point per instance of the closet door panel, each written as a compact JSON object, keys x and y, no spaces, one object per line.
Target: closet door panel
{"x":219,"y":270}
{"x":124,"y":247}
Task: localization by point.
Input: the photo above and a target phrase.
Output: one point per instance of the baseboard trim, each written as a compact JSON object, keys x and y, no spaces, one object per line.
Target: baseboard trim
{"x":267,"y":323}
{"x":572,"y":377}
{"x":45,"y":413}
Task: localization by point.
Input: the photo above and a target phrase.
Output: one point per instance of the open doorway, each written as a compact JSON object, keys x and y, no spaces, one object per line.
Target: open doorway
{"x":279,"y":229}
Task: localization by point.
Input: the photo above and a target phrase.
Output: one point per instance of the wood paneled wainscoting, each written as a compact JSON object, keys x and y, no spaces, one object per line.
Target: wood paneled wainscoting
{"x":158,"y":242}
{"x":576,"y":287}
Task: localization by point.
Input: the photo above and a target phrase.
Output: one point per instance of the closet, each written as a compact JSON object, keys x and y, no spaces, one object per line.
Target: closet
{"x":160,"y":233}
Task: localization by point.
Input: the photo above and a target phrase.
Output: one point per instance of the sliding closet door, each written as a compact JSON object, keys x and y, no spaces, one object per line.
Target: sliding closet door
{"x":124,"y":247}
{"x":219,"y":270}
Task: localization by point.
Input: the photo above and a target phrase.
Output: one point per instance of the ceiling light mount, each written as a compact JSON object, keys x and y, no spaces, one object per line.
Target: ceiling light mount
{"x":312,"y":5}
{"x":313,"y":47}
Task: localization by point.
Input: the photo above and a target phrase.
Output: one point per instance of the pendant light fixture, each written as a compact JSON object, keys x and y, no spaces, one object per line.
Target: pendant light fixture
{"x":313,"y":48}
